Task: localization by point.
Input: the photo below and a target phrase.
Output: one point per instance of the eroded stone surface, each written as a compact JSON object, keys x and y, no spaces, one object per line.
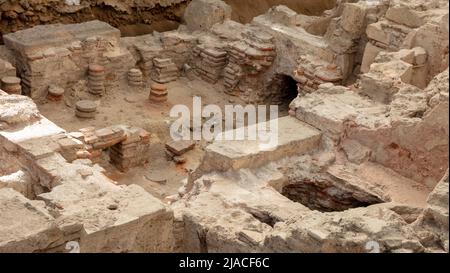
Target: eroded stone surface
{"x":359,"y":158}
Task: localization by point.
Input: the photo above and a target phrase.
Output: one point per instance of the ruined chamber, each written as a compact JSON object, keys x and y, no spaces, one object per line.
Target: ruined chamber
{"x":87,"y":161}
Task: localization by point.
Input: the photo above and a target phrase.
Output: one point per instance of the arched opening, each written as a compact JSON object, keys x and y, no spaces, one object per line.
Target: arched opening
{"x":281,"y":91}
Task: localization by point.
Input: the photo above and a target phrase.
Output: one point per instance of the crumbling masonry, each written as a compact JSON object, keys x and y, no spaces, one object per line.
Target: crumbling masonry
{"x":362,"y":156}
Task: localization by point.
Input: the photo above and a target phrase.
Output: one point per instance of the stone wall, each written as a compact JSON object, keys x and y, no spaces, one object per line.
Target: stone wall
{"x":53,"y":217}
{"x":60,"y":55}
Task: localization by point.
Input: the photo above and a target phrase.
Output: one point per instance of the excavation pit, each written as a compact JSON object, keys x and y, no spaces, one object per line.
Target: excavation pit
{"x":359,"y":148}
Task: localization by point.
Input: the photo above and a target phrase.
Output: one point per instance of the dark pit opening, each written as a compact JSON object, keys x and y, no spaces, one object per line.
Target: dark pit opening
{"x":325,"y":197}
{"x":133,"y":21}
{"x":282,"y":91}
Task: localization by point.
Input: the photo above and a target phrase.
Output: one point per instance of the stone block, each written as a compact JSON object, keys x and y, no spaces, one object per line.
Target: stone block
{"x":375,"y":32}
{"x":353,"y":18}
{"x":404,"y":15}
{"x":203,"y":14}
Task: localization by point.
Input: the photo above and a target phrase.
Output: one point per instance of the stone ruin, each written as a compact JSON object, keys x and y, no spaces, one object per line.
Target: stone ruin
{"x":363,"y":154}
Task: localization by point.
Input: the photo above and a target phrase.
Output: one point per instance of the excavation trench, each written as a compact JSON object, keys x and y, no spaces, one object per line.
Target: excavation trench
{"x":245,"y":10}
{"x":132,"y":21}
{"x":136,"y":20}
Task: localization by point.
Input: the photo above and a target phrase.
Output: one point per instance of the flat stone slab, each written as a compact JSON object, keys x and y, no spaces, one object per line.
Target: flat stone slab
{"x":41,"y":37}
{"x":294,"y":138}
{"x":180,"y":147}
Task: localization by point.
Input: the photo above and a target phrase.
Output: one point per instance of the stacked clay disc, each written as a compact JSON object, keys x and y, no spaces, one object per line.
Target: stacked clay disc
{"x":96,"y":79}
{"x":158,"y":93}
{"x":85,"y":109}
{"x":55,"y":93}
{"x":135,"y":78}
{"x":11,"y":85}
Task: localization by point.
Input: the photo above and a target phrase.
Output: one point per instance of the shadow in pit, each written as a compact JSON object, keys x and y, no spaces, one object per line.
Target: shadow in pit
{"x":281,"y":91}
{"x":323,"y":196}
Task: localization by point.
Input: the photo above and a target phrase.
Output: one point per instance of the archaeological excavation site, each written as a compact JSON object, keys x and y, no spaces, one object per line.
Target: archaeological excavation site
{"x":90,"y":161}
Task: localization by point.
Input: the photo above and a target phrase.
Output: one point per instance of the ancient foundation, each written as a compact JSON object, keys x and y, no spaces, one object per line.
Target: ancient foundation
{"x":88,"y":158}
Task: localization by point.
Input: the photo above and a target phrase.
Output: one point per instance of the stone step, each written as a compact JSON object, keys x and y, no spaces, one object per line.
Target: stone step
{"x":294,"y":138}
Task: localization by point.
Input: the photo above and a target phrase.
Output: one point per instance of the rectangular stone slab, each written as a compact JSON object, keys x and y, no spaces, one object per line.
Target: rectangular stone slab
{"x":294,"y":138}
